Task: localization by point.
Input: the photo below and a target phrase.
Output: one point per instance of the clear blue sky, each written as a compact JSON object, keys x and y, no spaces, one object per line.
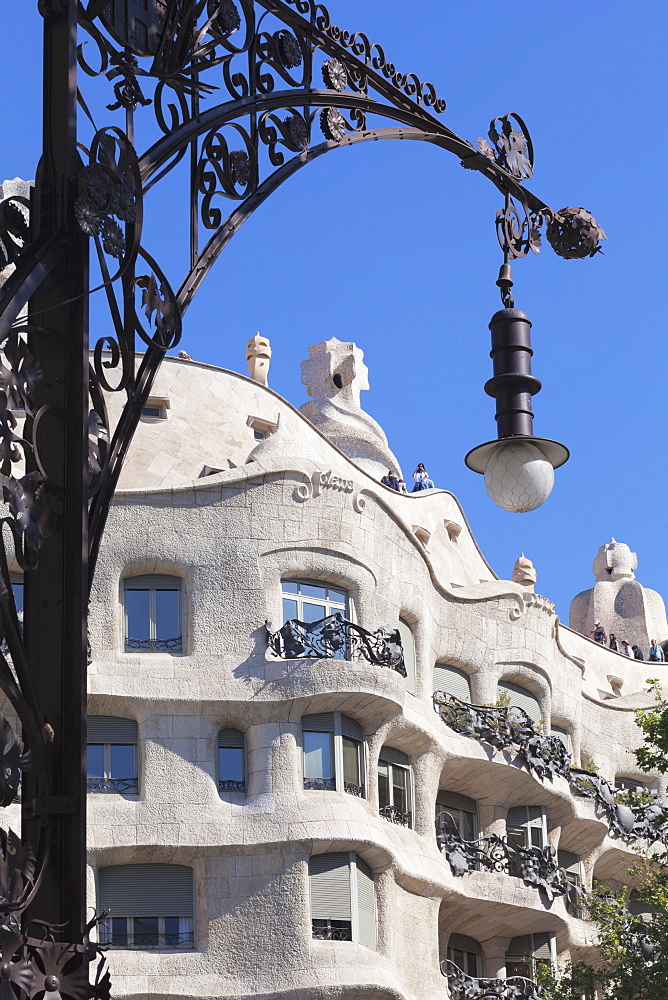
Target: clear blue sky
{"x":392,"y":245}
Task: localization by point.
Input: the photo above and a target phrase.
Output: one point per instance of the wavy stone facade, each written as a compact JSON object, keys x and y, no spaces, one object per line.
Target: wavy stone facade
{"x":232,"y":537}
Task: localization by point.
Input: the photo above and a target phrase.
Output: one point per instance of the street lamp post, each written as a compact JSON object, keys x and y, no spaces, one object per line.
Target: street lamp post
{"x":295,"y":86}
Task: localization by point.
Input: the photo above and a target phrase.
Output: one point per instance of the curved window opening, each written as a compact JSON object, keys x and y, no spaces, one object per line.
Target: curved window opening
{"x":111,"y":754}
{"x":519,"y":697}
{"x":526,"y":826}
{"x":408,"y":644}
{"x":342,"y":895}
{"x":150,"y":906}
{"x":527,"y":951}
{"x":461,"y":810}
{"x":394,"y":787}
{"x":452,"y":681}
{"x":333,"y":753}
{"x":231,"y":761}
{"x":153,"y":614}
{"x":466,"y":953}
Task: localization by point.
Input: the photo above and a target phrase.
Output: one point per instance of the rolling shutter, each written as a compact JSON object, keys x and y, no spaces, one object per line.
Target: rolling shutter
{"x":152,"y":582}
{"x":392,"y":756}
{"x":517,"y":816}
{"x":329,"y":886}
{"x":569,"y":862}
{"x":463,"y":943}
{"x":351,"y":729}
{"x":452,"y":681}
{"x":522,"y":698}
{"x":408,"y":645}
{"x":109,"y":729}
{"x":520,"y":947}
{"x":147,"y":890}
{"x":542,"y":945}
{"x":453,"y":800}
{"x":322,"y":723}
{"x":230,"y":739}
{"x":366,"y":905}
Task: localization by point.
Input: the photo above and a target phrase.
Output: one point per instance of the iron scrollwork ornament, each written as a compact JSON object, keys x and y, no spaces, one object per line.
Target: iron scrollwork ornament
{"x":335,"y":637}
{"x":464,"y":987}
{"x":574,"y":233}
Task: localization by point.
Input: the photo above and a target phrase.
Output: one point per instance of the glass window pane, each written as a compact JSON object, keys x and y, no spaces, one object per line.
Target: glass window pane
{"x":536,"y":836}
{"x":118,"y":931}
{"x":517,"y":836}
{"x":307,"y":590}
{"x":318,"y":755}
{"x":288,"y":587}
{"x":172,"y":935}
{"x":137,"y":606}
{"x":313,"y":612}
{"x":383,"y":784}
{"x":400,"y":788}
{"x":351,"y":761}
{"x":95,"y":760}
{"x":230,"y":764}
{"x":471,"y":964}
{"x":122,"y":762}
{"x":167,"y":623}
{"x":18,"y":595}
{"x":145,"y":932}
{"x":289,"y":609}
{"x":467,"y":825}
{"x":336,"y":596}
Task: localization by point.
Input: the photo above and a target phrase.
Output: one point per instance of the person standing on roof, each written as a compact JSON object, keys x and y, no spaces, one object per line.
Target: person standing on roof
{"x":656,"y":652}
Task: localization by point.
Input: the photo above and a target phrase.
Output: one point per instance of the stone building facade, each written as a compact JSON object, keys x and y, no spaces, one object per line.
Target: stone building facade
{"x":277,"y":834}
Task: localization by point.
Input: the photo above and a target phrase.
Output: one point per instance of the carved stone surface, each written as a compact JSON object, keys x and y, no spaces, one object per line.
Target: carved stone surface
{"x":258,"y":356}
{"x":524,"y":573}
{"x":334,"y":376}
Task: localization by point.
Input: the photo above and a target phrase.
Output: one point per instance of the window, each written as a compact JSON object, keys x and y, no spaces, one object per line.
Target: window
{"x":408,"y":644}
{"x":630,"y":784}
{"x":526,"y":826}
{"x":452,"y":681}
{"x":521,"y":698}
{"x":563,"y":735}
{"x":231,"y":764}
{"x":333,"y":753}
{"x":572,"y":866}
{"x":462,"y":810}
{"x":155,"y":408}
{"x":466,"y":954}
{"x":309,"y":603}
{"x":17,"y":590}
{"x":343,"y":904}
{"x":153,"y":613}
{"x":527,"y":951}
{"x":149,"y":906}
{"x":111,"y":754}
{"x":394,"y":786}
{"x":261,"y":429}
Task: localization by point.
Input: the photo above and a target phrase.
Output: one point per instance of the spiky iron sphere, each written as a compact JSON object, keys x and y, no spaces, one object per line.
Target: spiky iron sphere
{"x":574,"y":233}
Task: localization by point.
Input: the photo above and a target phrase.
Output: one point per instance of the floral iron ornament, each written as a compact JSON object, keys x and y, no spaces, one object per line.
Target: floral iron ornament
{"x":509,"y":727}
{"x":335,"y":637}
{"x":463,"y":987}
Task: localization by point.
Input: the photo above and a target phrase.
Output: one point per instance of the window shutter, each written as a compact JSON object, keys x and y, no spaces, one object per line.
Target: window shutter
{"x":153,"y":582}
{"x":329,"y":887}
{"x":230,"y":739}
{"x":542,"y":946}
{"x":520,"y":947}
{"x":517,"y":816}
{"x":366,"y":904}
{"x":568,"y":861}
{"x":452,"y":681}
{"x":453,"y":800}
{"x":322,"y":723}
{"x":463,"y":943}
{"x":392,"y":756}
{"x":351,"y":729}
{"x":147,"y":890}
{"x":408,"y":645}
{"x":522,"y":698}
{"x":109,"y":729}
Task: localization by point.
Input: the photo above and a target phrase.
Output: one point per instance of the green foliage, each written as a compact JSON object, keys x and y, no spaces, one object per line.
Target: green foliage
{"x":588,"y":763}
{"x":653,"y":722}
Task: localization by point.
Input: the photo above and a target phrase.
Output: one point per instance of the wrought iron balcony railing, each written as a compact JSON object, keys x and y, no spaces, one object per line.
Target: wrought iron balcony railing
{"x":353,"y":789}
{"x":174,"y":645}
{"x":641,"y":816}
{"x":112,"y":784}
{"x":229,"y":785}
{"x":334,"y":637}
{"x":463,"y":987}
{"x":395,"y":815}
{"x":320,"y":784}
{"x":331,"y":930}
{"x":536,"y":866}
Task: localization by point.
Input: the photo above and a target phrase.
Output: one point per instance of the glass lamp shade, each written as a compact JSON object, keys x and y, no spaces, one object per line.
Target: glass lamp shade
{"x":518,"y":476}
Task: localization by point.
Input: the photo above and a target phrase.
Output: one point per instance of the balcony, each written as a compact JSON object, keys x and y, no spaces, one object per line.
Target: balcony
{"x":336,"y":638}
{"x":112,"y":784}
{"x":174,"y":645}
{"x":534,"y":865}
{"x":463,"y":987}
{"x":394,"y":815}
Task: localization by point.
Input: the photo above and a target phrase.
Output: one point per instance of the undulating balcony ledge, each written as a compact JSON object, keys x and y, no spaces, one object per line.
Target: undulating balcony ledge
{"x":638,"y":816}
{"x":336,"y":638}
{"x":463,"y":987}
{"x":534,"y":865}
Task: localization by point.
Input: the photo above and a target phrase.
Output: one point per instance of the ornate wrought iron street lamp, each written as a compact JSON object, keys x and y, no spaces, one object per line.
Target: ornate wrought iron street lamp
{"x":244,"y":93}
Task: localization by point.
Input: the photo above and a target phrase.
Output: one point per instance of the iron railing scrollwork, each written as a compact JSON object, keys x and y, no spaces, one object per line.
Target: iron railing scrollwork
{"x":642,"y":816}
{"x":174,"y":645}
{"x":334,"y":637}
{"x":229,"y":785}
{"x":320,"y":784}
{"x":464,"y":987}
{"x":397,"y":816}
{"x":536,"y":866}
{"x":112,"y":784}
{"x":352,"y":788}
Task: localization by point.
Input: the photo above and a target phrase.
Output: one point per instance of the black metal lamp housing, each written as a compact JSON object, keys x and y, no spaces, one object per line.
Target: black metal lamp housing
{"x":518,"y":467}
